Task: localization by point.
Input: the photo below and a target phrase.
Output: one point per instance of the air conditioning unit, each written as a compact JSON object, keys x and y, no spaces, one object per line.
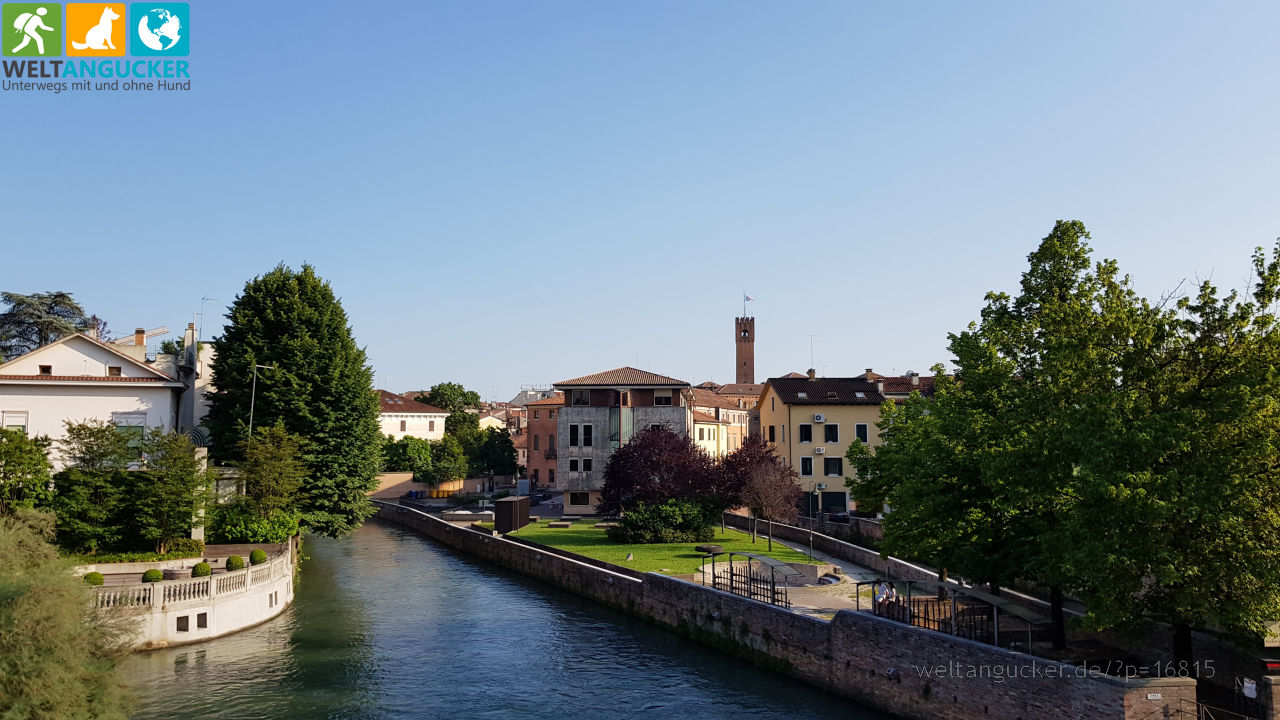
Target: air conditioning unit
{"x":819,"y":417}
{"x":819,"y":451}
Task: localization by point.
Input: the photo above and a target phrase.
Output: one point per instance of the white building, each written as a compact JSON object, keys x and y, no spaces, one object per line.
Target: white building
{"x":78,"y":378}
{"x":399,"y":416}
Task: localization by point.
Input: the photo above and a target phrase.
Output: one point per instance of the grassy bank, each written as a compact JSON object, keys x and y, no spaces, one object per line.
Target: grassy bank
{"x":670,"y":559}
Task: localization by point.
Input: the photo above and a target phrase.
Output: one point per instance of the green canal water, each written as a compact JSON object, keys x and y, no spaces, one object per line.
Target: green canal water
{"x":387,"y":624}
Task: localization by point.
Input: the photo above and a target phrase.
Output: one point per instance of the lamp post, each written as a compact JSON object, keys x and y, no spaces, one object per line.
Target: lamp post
{"x":253,"y":395}
{"x":814,"y":489}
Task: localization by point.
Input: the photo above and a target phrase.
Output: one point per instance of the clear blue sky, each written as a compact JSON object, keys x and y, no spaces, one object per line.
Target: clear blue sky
{"x":508,"y":193}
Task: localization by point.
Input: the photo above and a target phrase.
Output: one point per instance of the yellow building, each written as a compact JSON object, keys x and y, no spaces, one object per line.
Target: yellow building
{"x":710,"y":434}
{"x":810,"y":421}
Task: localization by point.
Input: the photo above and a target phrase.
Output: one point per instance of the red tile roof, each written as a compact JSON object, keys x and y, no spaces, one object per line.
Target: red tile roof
{"x":741,"y":389}
{"x":390,"y":402}
{"x":520,"y":441}
{"x":708,"y":398}
{"x":622,"y":377}
{"x":89,"y":378}
{"x":705,"y":418}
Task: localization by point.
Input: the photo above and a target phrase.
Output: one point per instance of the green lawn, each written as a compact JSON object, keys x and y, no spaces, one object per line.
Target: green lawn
{"x":672,"y":559}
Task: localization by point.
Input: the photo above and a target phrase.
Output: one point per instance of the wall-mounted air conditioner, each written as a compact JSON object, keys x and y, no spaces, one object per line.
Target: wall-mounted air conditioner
{"x":819,"y":451}
{"x":819,"y":417}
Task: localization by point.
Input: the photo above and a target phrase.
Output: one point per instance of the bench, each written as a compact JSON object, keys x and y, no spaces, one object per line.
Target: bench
{"x":559,"y":524}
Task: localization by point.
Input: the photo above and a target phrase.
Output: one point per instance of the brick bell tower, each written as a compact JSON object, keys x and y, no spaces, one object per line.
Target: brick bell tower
{"x":744,"y":330}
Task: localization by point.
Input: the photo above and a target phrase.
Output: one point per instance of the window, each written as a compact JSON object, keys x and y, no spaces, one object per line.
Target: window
{"x":431,"y":426}
{"x":580,"y":397}
{"x":573,"y":436}
{"x":833,"y":467}
{"x":772,"y":437}
{"x":771,"y":407}
{"x":626,"y":398}
{"x":551,"y":477}
{"x":551,"y":442}
{"x":701,"y":432}
{"x":806,"y":466}
{"x":403,"y":424}
{"x":113,"y":371}
{"x":655,"y":427}
{"x":862,"y":432}
{"x":535,"y":414}
{"x":662,"y":397}
{"x":202,"y":620}
{"x":831,"y":433}
{"x":573,"y":465}
{"x":579,"y":498}
{"x":535,"y":475}
{"x":586,"y":436}
{"x":184,"y":623}
{"x":784,"y":433}
{"x":802,"y":395}
{"x":586,"y":464}
{"x":535,"y":442}
{"x":806,"y":433}
{"x":46,"y":369}
{"x":132,"y":426}
{"x":14,"y":421}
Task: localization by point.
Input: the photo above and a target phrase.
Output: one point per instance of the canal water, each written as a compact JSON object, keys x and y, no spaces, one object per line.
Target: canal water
{"x":387,"y":624}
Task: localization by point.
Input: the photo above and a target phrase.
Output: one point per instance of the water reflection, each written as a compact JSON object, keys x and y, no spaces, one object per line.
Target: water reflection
{"x":387,"y":624}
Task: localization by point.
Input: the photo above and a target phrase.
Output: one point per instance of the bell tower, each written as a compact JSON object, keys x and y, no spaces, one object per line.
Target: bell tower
{"x":744,"y":330}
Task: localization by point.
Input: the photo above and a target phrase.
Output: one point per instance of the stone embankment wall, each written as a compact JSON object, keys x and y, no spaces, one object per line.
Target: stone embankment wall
{"x":177,"y":612}
{"x":857,"y":655}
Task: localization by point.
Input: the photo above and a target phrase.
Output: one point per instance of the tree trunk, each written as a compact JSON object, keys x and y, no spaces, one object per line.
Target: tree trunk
{"x":770,"y":522}
{"x":1182,"y":644}
{"x":1058,"y":618}
{"x":754,"y":520}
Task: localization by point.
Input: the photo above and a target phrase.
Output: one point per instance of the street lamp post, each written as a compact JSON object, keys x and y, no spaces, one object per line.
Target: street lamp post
{"x":253,"y":395}
{"x":814,"y":489}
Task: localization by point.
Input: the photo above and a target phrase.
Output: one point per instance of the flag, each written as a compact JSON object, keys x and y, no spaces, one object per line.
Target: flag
{"x":747,"y":298}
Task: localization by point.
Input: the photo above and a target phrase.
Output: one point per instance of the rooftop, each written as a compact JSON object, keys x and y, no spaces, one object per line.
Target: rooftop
{"x":826,"y":391}
{"x":389,"y":402}
{"x":623,"y":377}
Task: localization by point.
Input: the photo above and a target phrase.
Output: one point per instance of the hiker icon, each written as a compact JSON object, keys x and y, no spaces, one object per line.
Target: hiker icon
{"x":30,"y":25}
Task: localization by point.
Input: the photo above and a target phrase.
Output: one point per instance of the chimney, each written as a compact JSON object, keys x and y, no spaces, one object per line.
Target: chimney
{"x":880,"y":385}
{"x":139,"y":336}
{"x":869,"y":373}
{"x":915,"y":378}
{"x":813,"y":374}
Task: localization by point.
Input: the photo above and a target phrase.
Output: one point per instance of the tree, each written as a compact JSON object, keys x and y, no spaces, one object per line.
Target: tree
{"x":57,"y":659}
{"x":272,"y":469}
{"x":24,"y":471}
{"x":462,"y":424}
{"x":448,"y":461}
{"x":658,"y":465}
{"x":451,"y":397}
{"x":491,"y":451}
{"x":1176,"y":515}
{"x":408,"y":454}
{"x":171,"y":346}
{"x":88,"y":495}
{"x":168,"y":495}
{"x":319,"y":386}
{"x":769,"y":490}
{"x":37,"y":319}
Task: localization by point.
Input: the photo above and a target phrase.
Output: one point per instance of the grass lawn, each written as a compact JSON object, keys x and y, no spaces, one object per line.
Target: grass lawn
{"x":670,"y":559}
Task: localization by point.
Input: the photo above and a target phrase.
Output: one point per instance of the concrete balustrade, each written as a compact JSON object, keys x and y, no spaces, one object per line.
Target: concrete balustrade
{"x":176,"y":612}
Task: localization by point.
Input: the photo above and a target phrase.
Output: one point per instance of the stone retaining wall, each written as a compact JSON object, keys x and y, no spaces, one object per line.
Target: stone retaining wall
{"x":857,"y":655}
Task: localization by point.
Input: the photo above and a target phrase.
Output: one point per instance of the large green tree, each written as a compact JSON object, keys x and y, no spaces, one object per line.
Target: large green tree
{"x":272,"y":471}
{"x":24,"y":470}
{"x":89,"y":493}
{"x":168,"y":496}
{"x":450,"y":396}
{"x":37,"y":319}
{"x":319,"y":385}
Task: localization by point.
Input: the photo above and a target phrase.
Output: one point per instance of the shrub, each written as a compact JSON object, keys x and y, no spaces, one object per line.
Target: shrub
{"x":93,"y":578}
{"x":152,"y":576}
{"x":675,"y":521}
{"x":186,"y":547}
{"x":257,"y":557}
{"x":132,"y":557}
{"x":201,"y":569}
{"x":240,"y":523}
{"x":235,"y":562}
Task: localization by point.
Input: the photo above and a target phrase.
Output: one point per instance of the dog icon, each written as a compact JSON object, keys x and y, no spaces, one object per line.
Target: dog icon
{"x":99,"y":36}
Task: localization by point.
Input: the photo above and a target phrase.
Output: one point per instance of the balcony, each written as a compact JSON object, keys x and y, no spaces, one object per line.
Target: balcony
{"x":550,"y":455}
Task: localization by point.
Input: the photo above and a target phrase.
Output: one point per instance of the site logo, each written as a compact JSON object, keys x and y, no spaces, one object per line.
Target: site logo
{"x":31,"y":30}
{"x":161,"y":28}
{"x":96,"y":30}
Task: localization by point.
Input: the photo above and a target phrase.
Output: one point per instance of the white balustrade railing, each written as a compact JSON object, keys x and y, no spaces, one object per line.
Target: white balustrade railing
{"x":205,"y":588}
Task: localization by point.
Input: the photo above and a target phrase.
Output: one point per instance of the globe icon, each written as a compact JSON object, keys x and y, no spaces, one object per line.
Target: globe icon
{"x":159,"y":29}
